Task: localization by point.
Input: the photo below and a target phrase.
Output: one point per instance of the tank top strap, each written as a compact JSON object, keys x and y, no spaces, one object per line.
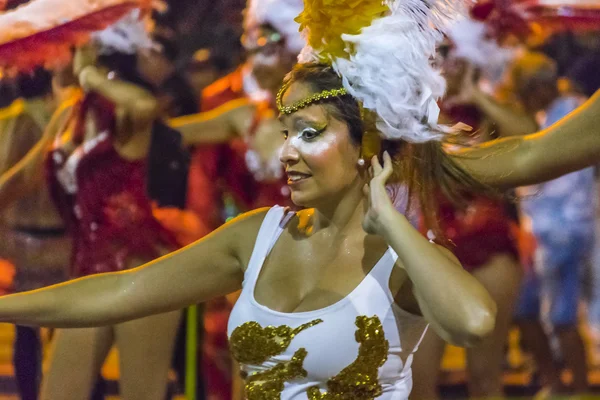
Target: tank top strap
{"x":406,"y":369}
{"x":382,"y":274}
{"x":383,"y":269}
{"x":395,"y":258}
{"x":270,"y":230}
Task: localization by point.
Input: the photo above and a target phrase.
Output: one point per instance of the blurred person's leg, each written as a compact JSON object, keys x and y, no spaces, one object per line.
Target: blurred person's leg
{"x":593,"y":314}
{"x":145,"y":352}
{"x":40,"y":257}
{"x":563,"y":258}
{"x":76,"y":358}
{"x":533,"y":336}
{"x":501,"y":276}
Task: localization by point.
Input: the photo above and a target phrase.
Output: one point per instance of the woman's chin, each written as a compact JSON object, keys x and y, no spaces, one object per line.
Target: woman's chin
{"x":306,"y":200}
{"x":297,"y":200}
{"x":301,"y":199}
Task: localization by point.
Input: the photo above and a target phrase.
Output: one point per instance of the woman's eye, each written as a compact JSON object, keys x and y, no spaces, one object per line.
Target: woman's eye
{"x":310,"y":134}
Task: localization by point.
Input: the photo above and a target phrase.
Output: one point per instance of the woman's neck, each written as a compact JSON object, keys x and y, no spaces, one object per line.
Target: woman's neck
{"x":343,"y":213}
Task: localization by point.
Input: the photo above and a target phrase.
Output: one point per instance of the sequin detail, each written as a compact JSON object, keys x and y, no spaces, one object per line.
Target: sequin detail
{"x":268,"y":385}
{"x":358,"y":381}
{"x":324,"y":95}
{"x":250,"y":343}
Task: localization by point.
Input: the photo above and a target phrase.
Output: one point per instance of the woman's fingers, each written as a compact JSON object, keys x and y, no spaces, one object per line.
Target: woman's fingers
{"x":366,"y":190}
{"x":388,"y":166}
{"x":376,"y":166}
{"x":383,"y":173}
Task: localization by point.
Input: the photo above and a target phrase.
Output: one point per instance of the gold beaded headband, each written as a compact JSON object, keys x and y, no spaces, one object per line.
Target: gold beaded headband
{"x":325,"y":94}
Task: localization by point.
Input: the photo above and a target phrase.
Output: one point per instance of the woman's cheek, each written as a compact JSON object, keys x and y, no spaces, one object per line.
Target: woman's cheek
{"x":322,"y":147}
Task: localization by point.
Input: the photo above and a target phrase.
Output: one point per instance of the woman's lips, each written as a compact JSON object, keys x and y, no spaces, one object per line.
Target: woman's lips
{"x":295,"y":178}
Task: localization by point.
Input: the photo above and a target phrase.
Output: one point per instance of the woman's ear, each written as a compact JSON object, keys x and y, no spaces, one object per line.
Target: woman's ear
{"x":370,"y":145}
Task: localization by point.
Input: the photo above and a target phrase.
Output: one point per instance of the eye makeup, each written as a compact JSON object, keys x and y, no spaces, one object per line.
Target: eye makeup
{"x":314,"y":140}
{"x":306,"y":130}
{"x":310,"y":133}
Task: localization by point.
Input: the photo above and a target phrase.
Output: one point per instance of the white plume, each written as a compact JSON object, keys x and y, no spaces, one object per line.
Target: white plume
{"x":471,"y":42}
{"x":128,"y":35}
{"x":391,"y":66}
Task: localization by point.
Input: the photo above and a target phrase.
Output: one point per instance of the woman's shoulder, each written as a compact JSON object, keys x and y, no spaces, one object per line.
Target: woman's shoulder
{"x":250,"y":223}
{"x":246,"y":228}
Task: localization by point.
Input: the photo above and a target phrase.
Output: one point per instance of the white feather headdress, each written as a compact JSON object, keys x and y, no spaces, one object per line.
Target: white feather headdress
{"x":472,"y":41}
{"x":388,"y":64}
{"x":128,"y":35}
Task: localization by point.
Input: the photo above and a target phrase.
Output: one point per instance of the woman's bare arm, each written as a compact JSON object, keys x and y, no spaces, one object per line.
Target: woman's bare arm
{"x":232,"y":119}
{"x":26,"y":175}
{"x":509,"y":121}
{"x":136,"y":109}
{"x":208,"y":268}
{"x":456,"y":305}
{"x":571,"y":144}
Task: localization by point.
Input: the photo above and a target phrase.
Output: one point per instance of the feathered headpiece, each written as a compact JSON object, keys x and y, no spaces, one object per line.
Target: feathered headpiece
{"x":384,"y":52}
{"x":472,"y":41}
{"x":128,"y":35}
{"x":42,"y":32}
{"x":280,"y":15}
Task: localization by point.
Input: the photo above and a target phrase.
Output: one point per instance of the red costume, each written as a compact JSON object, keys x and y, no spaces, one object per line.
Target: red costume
{"x":103,"y":200}
{"x":485,"y":227}
{"x":478,"y":232}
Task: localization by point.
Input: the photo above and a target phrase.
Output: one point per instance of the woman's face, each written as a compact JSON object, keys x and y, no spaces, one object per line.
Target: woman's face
{"x":268,"y":57}
{"x":318,"y":154}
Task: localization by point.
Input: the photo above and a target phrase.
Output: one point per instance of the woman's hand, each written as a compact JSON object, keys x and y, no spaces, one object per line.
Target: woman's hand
{"x":84,"y":57}
{"x":379,"y":205}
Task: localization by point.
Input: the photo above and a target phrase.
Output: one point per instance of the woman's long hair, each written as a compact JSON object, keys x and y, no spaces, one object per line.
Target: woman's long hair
{"x":424,"y":168}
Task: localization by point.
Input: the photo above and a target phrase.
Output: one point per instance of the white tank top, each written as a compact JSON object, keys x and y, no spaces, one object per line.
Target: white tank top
{"x":358,"y":348}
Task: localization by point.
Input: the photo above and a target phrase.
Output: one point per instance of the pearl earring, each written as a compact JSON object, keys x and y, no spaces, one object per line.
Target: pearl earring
{"x":361,"y":162}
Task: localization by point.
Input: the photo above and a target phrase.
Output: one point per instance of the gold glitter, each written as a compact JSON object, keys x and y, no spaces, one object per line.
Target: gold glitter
{"x":325,"y":94}
{"x":268,"y":385}
{"x":358,"y":381}
{"x":250,"y":343}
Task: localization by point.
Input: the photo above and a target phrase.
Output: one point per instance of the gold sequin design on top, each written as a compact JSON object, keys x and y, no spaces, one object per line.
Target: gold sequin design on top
{"x":250,"y":343}
{"x":358,"y":381}
{"x":268,"y":385}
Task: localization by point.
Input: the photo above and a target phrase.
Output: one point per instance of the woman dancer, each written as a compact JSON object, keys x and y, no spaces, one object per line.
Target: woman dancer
{"x":98,"y":175}
{"x":298,"y":329}
{"x":32,"y":234}
{"x":98,"y":178}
